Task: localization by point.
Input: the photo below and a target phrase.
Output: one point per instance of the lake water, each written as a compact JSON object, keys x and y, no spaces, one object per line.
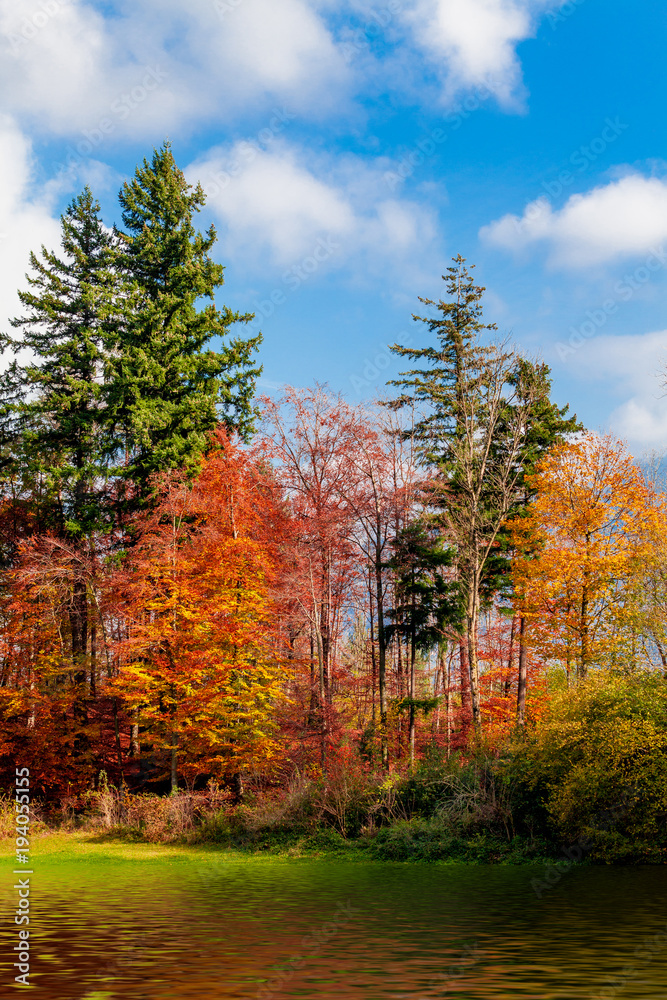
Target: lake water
{"x":204,"y":926}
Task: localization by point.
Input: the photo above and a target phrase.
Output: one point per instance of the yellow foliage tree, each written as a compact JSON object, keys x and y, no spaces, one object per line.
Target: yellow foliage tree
{"x":594,"y":523}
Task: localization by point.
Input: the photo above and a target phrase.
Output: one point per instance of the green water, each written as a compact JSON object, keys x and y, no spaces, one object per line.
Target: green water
{"x":205,"y":926}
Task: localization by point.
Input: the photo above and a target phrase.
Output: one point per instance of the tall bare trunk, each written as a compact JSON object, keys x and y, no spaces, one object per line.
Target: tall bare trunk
{"x":93,"y":661}
{"x":448,"y":703}
{"x":464,"y":676}
{"x":135,"y":746}
{"x":523,"y":673}
{"x":510,"y":660}
{"x":472,"y":626}
{"x":174,"y":763}
{"x":584,"y":627}
{"x":382,"y":659}
{"x":78,"y":617}
{"x":413,"y":657}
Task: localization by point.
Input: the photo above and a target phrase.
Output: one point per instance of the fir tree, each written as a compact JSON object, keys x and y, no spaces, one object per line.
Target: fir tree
{"x":170,"y":391}
{"x":55,"y":432}
{"x":452,"y":367}
{"x":479,"y":402}
{"x":54,"y":421}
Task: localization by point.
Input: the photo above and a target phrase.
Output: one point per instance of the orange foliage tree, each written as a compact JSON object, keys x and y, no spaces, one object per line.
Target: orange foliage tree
{"x":589,"y":527}
{"x":201,"y":659}
{"x":49,"y":718}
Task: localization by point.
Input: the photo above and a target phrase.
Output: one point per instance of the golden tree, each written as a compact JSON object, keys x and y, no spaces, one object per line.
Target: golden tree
{"x":593,"y":523}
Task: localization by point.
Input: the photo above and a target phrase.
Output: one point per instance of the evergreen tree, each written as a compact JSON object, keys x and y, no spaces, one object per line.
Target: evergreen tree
{"x":452,"y":369}
{"x":54,"y":430}
{"x":169,"y":392}
{"x":427,"y":601}
{"x":479,"y":401}
{"x":54,"y":423}
{"x":548,"y":425}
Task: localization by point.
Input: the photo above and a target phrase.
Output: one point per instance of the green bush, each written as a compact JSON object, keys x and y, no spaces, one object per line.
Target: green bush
{"x":595,"y":768}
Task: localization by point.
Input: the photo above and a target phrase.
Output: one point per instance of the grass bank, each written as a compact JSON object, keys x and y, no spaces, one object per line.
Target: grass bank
{"x":588,"y":783}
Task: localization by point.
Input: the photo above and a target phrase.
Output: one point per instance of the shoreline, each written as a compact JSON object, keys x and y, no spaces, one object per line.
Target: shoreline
{"x":89,"y":844}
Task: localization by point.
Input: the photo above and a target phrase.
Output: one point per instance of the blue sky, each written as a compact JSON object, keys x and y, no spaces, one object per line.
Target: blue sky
{"x":349,"y":148}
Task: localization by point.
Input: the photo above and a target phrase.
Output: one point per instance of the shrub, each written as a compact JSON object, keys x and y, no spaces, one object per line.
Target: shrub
{"x":596,"y":767}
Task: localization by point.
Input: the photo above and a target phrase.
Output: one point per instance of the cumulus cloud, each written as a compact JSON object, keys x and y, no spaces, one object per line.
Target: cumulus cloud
{"x":281,"y":201}
{"x":26,"y":217}
{"x":473,"y":43}
{"x":633,"y":367}
{"x":618,"y":220}
{"x":70,"y":64}
{"x":161,"y":65}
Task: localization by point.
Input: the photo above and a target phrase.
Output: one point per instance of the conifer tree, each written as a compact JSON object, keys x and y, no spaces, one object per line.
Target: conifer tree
{"x":169,"y":390}
{"x":53,"y":403}
{"x":54,"y":432}
{"x":472,"y":432}
{"x":452,"y":367}
{"x":548,"y":425}
{"x":427,"y":602}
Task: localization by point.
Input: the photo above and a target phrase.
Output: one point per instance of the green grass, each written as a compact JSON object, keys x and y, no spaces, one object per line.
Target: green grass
{"x":414,"y":841}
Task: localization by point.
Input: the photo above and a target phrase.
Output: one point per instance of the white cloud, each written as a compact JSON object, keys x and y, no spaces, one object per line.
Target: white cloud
{"x":280,"y":201}
{"x":634,"y":367}
{"x":473,"y":42}
{"x":26,"y":219}
{"x":621,"y":219}
{"x":67,"y":65}
{"x":152,"y":67}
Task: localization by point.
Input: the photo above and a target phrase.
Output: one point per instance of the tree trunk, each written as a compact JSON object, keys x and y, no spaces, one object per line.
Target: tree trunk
{"x":413,"y":657}
{"x":585,"y":639}
{"x":472,"y":625}
{"x":174,"y":763}
{"x":510,"y":660}
{"x":373,"y":657}
{"x":312,"y":710}
{"x":448,"y":703}
{"x":78,"y":617}
{"x":135,"y":746}
{"x":382,"y":660}
{"x":464,"y":674}
{"x":93,"y":662}
{"x":584,"y":626}
{"x":523,"y":673}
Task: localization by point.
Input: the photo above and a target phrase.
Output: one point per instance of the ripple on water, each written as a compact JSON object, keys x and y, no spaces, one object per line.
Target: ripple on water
{"x":198,"y":927}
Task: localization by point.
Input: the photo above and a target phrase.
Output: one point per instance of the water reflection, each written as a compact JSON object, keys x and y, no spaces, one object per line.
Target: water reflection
{"x":260,"y":929}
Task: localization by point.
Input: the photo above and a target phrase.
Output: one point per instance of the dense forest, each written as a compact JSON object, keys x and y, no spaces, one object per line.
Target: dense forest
{"x":448,"y":607}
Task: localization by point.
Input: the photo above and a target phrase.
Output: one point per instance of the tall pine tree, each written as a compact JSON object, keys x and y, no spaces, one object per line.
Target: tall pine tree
{"x":477,"y":404}
{"x":53,"y":404}
{"x":54,"y":430}
{"x":170,"y":390}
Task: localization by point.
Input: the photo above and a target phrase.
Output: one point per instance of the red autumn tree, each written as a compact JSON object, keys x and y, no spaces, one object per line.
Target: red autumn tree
{"x":309,"y":432}
{"x":201,"y":662}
